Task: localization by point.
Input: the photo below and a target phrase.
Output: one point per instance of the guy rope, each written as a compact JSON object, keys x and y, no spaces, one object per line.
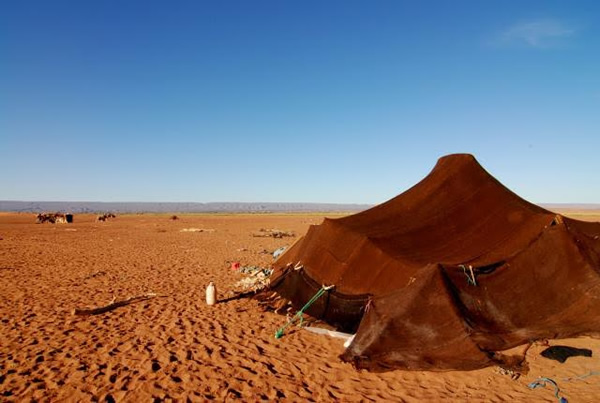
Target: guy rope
{"x":299,"y":314}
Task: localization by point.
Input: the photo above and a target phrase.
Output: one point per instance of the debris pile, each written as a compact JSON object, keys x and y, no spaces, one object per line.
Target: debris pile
{"x":54,"y":218}
{"x":276,"y":253}
{"x":273,"y":233}
{"x":258,"y":278}
{"x":253,"y":270}
{"x":279,"y":251}
{"x":197,"y":230}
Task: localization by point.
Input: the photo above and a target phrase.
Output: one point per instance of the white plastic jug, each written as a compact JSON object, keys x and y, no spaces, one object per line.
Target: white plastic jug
{"x":211,"y":294}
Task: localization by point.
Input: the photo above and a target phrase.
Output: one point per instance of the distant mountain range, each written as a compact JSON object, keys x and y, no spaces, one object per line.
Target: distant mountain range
{"x":225,"y":207}
{"x":571,"y":206}
{"x":174,"y":207}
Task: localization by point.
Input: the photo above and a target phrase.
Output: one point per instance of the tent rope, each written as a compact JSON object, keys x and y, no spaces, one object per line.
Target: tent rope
{"x":542,"y":381}
{"x":298,"y":315}
{"x":591,"y":373}
{"x":470,"y":278}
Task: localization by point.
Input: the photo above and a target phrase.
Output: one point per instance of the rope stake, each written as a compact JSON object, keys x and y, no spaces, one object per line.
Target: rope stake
{"x":298,"y":315}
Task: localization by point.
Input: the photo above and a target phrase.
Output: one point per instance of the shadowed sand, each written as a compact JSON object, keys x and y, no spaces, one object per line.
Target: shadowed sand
{"x":174,"y":346}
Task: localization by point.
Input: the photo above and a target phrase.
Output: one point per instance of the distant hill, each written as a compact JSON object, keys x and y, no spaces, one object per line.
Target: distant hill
{"x":225,"y":207}
{"x":571,"y":206}
{"x":142,"y":207}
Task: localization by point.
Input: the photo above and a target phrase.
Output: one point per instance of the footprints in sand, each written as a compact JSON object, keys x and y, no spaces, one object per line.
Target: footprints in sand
{"x":177,"y":348}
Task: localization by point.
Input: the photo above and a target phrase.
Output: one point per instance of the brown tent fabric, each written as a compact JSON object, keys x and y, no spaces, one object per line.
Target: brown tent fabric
{"x":448,"y":274}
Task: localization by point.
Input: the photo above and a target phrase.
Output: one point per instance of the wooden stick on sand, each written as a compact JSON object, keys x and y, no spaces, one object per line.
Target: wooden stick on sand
{"x":114,"y":305}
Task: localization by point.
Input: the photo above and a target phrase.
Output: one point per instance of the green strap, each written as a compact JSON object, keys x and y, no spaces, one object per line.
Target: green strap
{"x":298,"y":315}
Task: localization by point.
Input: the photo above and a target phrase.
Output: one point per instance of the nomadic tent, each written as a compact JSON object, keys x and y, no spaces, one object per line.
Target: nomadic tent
{"x":448,"y":274}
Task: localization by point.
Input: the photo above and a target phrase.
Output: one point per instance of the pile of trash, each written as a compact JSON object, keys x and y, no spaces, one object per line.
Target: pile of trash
{"x":255,"y":270}
{"x":279,"y":252}
{"x":273,"y":233}
{"x":197,"y":230}
{"x":54,"y":218}
{"x":258,"y":278}
{"x":275,"y":253}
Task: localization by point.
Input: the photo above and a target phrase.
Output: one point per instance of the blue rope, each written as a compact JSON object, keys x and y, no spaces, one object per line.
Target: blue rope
{"x":541,"y":383}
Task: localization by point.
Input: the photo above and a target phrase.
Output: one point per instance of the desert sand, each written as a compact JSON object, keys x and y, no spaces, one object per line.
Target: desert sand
{"x":174,"y":346}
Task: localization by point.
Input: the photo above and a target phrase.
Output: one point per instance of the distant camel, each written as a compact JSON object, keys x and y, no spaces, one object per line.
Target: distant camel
{"x":105,"y":216}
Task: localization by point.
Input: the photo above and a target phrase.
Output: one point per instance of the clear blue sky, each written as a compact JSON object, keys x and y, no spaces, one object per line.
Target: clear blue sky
{"x":307,"y":101}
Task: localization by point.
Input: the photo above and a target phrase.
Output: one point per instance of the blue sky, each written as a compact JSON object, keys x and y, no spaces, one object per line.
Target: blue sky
{"x":306,"y":101}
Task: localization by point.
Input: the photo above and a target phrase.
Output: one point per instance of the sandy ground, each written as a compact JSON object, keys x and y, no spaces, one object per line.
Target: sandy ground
{"x":176,"y":347}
